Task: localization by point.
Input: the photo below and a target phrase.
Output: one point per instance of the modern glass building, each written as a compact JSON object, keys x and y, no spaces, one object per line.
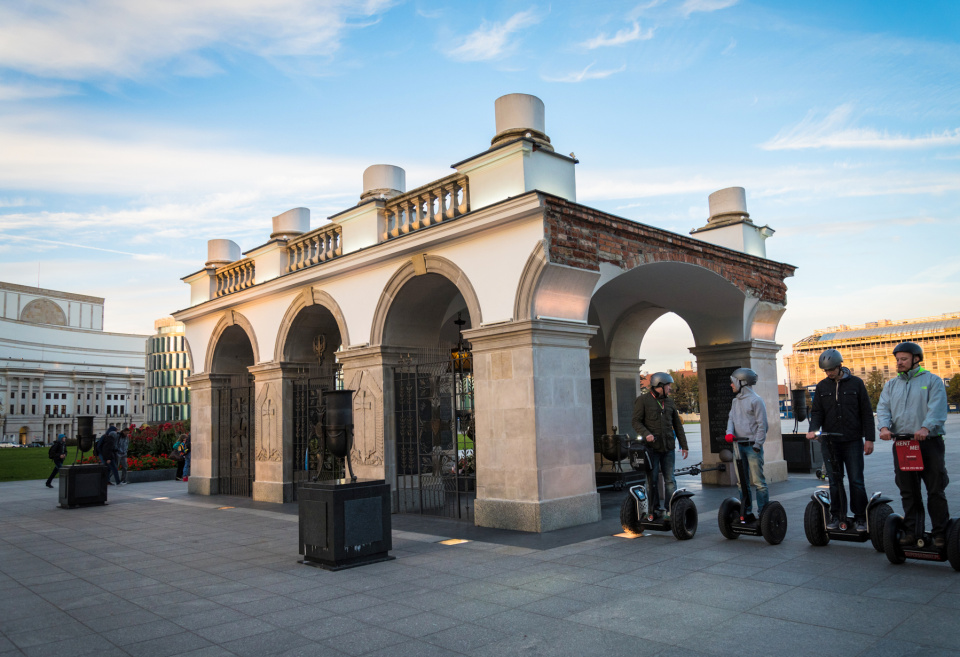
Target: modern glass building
{"x":168,"y":366}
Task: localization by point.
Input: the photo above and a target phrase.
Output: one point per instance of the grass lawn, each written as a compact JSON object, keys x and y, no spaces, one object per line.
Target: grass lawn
{"x":18,"y":464}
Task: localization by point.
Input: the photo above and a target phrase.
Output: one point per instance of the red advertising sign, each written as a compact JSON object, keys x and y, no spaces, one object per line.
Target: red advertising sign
{"x":908,"y":455}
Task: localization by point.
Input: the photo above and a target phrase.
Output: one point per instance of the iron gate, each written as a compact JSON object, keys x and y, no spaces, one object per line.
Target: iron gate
{"x":434,"y":416}
{"x":309,"y":407}
{"x":235,"y":436}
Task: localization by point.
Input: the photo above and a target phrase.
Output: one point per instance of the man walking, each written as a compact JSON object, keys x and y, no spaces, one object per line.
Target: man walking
{"x":841,"y":405}
{"x":657,"y":422}
{"x":108,"y":454}
{"x":57,"y":454}
{"x":915,"y":403}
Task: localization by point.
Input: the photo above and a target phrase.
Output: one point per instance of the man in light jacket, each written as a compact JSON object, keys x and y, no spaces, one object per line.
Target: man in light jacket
{"x":747,"y":424}
{"x":915,"y":403}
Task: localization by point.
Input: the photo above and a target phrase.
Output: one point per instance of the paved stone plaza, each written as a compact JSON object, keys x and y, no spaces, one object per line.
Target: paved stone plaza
{"x":158,"y":572}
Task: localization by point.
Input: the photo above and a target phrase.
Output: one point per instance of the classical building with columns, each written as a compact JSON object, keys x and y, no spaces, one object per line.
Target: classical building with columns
{"x":57,"y":362}
{"x":488,"y":325}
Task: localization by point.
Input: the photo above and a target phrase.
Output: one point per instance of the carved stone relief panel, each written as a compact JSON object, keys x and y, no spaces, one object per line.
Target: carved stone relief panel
{"x":269,"y":440}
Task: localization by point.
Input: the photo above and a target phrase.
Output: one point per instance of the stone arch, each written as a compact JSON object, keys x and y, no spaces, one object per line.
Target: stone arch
{"x":310,"y":297}
{"x":428,"y":265}
{"x":230,"y":320}
{"x":527,"y":288}
{"x":551,"y":290}
{"x":43,"y":311}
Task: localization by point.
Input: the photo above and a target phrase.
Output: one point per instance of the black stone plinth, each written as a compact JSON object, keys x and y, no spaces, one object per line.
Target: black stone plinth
{"x":83,"y":485}
{"x":344,"y":524}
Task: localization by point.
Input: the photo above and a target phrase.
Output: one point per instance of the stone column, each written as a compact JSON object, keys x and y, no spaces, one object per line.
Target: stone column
{"x":203,"y":432}
{"x":760,"y":356}
{"x":273,"y":419}
{"x":620,"y":377}
{"x":368,"y":371}
{"x":535,"y":465}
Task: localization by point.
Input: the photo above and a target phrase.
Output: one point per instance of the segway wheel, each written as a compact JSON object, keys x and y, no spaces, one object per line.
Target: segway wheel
{"x":813,"y":525}
{"x":773,"y":523}
{"x":628,"y":516}
{"x":683,"y":519}
{"x":891,"y":539}
{"x":729,"y":513}
{"x":953,"y":545}
{"x":878,"y":520}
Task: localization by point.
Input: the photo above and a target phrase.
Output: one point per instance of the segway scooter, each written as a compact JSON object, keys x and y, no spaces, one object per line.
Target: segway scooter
{"x":772,"y":523}
{"x":909,"y":459}
{"x":817,"y":513}
{"x":635,"y":516}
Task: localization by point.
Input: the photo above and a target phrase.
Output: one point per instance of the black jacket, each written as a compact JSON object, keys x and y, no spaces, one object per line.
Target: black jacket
{"x":658,"y":416}
{"x":108,"y":448}
{"x":850,"y":415}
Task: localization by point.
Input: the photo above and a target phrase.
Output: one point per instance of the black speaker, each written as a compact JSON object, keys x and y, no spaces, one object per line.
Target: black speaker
{"x":799,"y":398}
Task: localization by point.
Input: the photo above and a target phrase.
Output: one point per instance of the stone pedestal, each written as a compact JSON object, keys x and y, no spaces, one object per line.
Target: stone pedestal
{"x":344,"y":524}
{"x":273,"y":419}
{"x":535,"y":466}
{"x":760,"y":356}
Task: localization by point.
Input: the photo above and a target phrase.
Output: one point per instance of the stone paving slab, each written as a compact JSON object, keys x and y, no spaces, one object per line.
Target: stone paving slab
{"x":158,"y":572}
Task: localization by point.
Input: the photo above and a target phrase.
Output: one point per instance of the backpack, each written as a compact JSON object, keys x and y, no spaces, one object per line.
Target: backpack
{"x":96,"y":445}
{"x":54,"y":452}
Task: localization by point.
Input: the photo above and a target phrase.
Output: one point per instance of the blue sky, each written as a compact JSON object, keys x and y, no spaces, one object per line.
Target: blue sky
{"x":132,"y":132}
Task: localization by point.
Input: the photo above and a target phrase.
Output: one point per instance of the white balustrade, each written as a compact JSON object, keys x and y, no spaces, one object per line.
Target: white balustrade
{"x":235,"y":277}
{"x":312,"y":248}
{"x":440,"y":201}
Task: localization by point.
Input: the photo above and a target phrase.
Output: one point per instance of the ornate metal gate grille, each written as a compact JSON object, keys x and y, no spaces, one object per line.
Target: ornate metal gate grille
{"x":235,"y":436}
{"x":308,"y":412}
{"x":434,"y":414}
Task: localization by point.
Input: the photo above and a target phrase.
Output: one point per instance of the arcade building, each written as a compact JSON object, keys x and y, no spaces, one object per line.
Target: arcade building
{"x":488,"y":325}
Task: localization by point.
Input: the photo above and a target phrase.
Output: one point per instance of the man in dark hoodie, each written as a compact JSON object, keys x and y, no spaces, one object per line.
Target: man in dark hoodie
{"x":657,"y":423}
{"x":841,"y":405}
{"x":108,"y":454}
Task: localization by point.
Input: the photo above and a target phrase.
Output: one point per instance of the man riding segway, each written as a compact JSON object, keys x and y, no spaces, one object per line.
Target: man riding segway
{"x":841,"y":408}
{"x":915,"y":404}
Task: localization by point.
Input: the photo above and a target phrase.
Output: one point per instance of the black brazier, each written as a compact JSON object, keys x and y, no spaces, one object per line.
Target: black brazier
{"x":344,"y":524}
{"x":83,"y":485}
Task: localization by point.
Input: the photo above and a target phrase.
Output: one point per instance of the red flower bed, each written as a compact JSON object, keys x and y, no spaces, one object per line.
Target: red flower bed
{"x":140,"y":463}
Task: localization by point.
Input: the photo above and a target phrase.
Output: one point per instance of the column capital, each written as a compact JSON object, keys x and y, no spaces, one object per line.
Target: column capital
{"x":752,"y":348}
{"x":360,"y":357}
{"x":275,"y":370}
{"x":530,"y":332}
{"x":206,"y":380}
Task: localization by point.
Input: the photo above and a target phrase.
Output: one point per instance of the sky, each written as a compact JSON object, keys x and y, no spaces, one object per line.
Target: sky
{"x":133,"y":132}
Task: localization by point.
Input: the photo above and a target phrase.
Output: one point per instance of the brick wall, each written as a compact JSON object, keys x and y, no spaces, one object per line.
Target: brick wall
{"x":582,"y":237}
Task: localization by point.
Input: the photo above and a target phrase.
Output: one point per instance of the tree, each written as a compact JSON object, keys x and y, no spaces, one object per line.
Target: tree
{"x":874,"y":385}
{"x":953,"y":390}
{"x":686,"y":392}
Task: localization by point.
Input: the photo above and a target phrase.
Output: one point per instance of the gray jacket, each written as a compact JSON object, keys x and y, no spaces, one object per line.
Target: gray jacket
{"x":122,"y":445}
{"x":748,"y":417}
{"x":914,"y":399}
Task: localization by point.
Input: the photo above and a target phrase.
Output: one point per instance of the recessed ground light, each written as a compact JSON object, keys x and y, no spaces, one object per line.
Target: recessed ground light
{"x":628,"y":535}
{"x":221,"y":508}
{"x":823,"y":487}
{"x":453,"y":541}
{"x":161,"y":498}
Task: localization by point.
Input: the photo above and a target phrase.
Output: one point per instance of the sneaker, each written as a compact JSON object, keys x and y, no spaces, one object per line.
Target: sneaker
{"x":186,"y":478}
{"x":860,"y":525}
{"x":49,"y":485}
{"x":939,"y":542}
{"x":834,"y":523}
{"x":110,"y":483}
{"x":179,"y":478}
{"x":907,"y":540}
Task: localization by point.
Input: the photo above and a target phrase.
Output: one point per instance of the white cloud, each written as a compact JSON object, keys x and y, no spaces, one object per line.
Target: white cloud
{"x":621,"y":37}
{"x":96,"y":38}
{"x":27,"y":91}
{"x":586,"y":74}
{"x":492,"y":40}
{"x":693,"y":6}
{"x":836,"y":131}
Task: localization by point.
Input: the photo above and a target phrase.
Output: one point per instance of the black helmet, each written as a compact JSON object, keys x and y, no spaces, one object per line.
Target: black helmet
{"x":744,"y":376}
{"x":909,"y":347}
{"x":659,"y":379}
{"x":830,"y":359}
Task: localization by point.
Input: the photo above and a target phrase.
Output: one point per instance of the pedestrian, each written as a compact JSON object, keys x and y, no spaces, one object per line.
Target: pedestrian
{"x":123,"y":444}
{"x":747,"y":424}
{"x":841,"y":405}
{"x":57,"y":454}
{"x":657,"y":421}
{"x":180,"y":450}
{"x":108,"y":453}
{"x":915,"y":403}
{"x":186,"y":459}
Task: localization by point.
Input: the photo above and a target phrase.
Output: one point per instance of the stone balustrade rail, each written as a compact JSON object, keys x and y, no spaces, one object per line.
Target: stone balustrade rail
{"x":439,"y":201}
{"x":236,"y":276}
{"x":319,"y":245}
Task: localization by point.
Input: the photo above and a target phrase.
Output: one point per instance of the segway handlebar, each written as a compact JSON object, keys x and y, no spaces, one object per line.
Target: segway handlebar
{"x":694,"y":470}
{"x":828,"y":434}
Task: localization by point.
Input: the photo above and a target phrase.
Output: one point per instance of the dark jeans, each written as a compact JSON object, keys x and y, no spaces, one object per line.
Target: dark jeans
{"x":112,"y":468}
{"x":660,"y":463}
{"x":180,"y":465}
{"x":849,"y":456}
{"x":56,"y":469}
{"x":934,"y":476}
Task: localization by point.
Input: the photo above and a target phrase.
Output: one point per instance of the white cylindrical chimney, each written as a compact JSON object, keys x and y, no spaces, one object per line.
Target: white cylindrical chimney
{"x":384,"y":179}
{"x":222,"y":252}
{"x":728,"y":203}
{"x":520,"y":115}
{"x":291,"y":223}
